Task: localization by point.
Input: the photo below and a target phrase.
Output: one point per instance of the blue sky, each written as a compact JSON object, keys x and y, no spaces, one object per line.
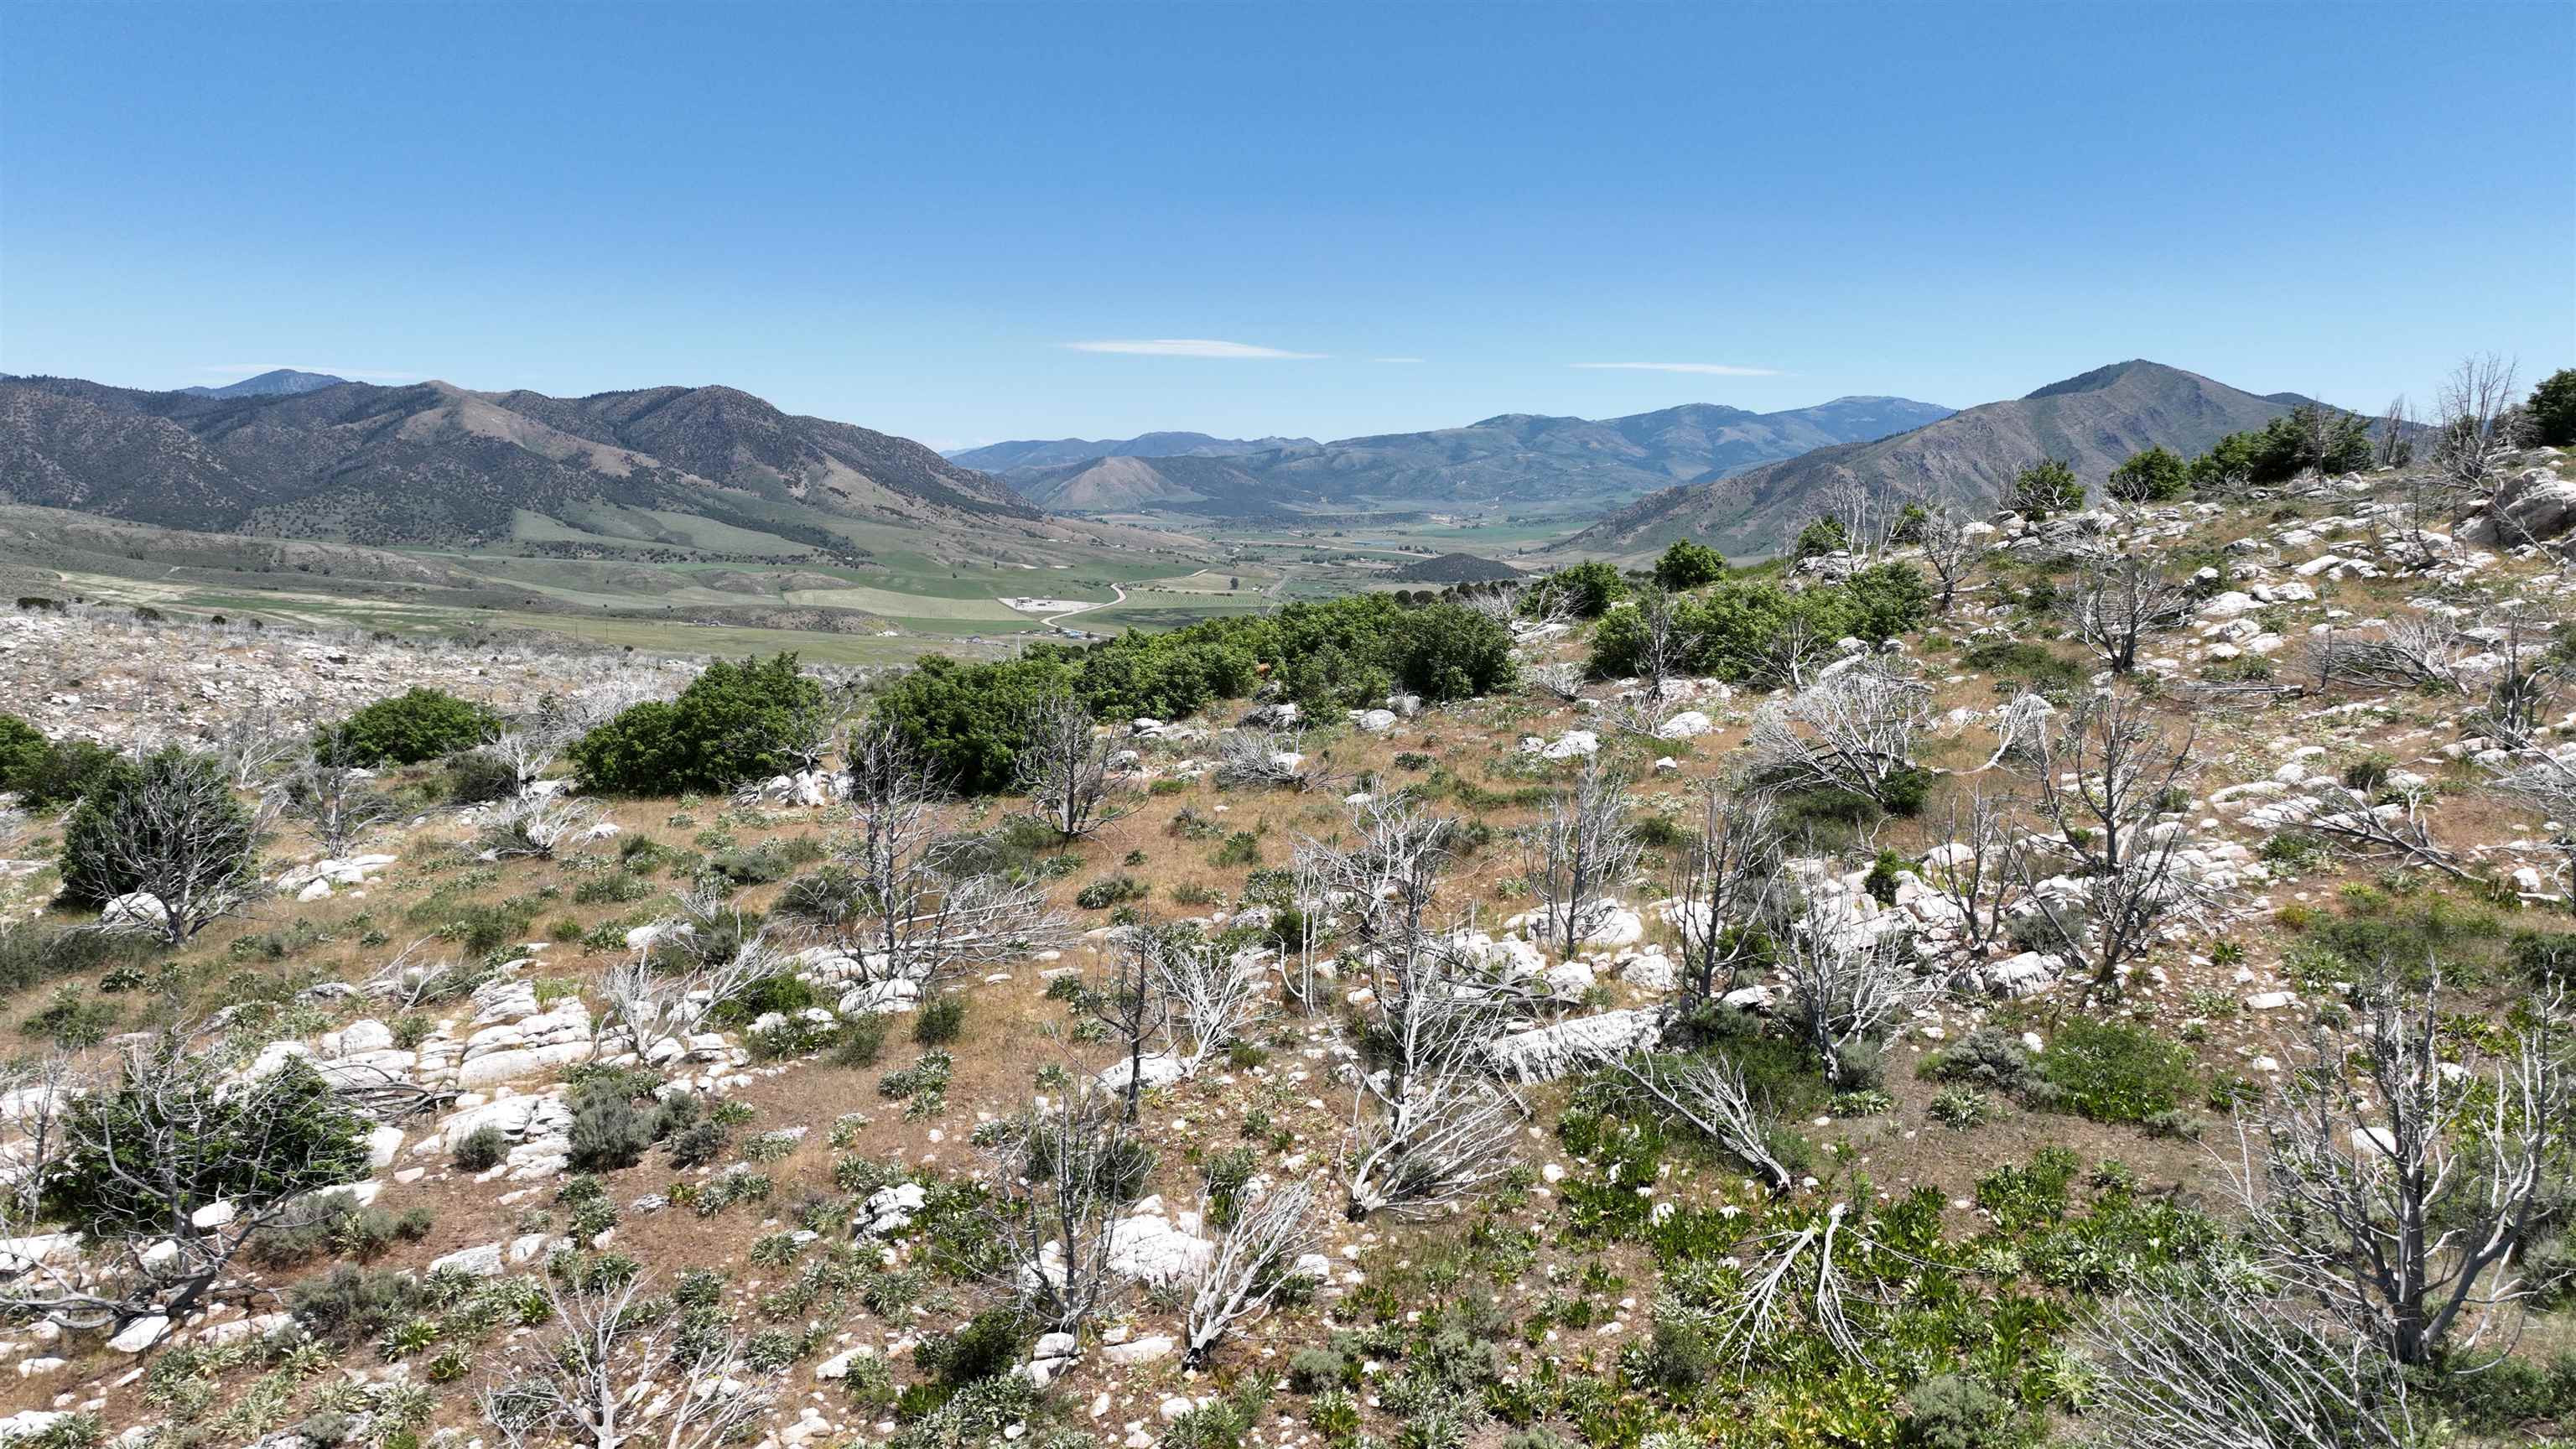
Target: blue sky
{"x":908,"y":217}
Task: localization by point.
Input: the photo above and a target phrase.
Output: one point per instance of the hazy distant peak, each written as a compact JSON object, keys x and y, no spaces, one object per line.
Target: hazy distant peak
{"x":276,"y":382}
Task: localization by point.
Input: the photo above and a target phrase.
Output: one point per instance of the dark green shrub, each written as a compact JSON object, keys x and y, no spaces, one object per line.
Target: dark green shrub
{"x":482,"y":1149}
{"x":2045,"y":487}
{"x":699,"y":1143}
{"x":416,"y":725}
{"x":1588,"y":589}
{"x":1881,"y":880}
{"x":1687,"y":565}
{"x":335,"y":1222}
{"x":1994,"y":1058}
{"x":1821,"y":536}
{"x":170,"y":818}
{"x":284,"y":1136}
{"x":1240,"y":848}
{"x":22,"y":751}
{"x":1678,"y":1356}
{"x":987,"y":1346}
{"x":2157,"y":475}
{"x":32,"y":954}
{"x":62,"y":773}
{"x":2552,"y":409}
{"x":940,"y":1022}
{"x":735,"y":722}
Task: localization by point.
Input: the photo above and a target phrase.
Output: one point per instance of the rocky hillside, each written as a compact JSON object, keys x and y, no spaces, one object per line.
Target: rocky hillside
{"x":1806,"y":1010}
{"x":1517,"y":457}
{"x":438,"y":464}
{"x":2095,"y":422}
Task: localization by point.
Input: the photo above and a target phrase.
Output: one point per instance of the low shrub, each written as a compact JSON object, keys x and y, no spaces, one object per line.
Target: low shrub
{"x":351,"y":1305}
{"x":2114,"y":1071}
{"x":939,"y":1022}
{"x":482,"y":1149}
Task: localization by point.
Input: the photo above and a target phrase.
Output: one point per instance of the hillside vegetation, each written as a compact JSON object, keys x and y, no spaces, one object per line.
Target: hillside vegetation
{"x":2071,"y":975}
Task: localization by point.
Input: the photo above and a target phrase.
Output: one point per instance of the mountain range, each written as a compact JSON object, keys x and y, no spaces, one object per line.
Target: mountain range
{"x":1515,"y":457}
{"x":2094,"y":421}
{"x":1032,"y":453}
{"x":433,"y":463}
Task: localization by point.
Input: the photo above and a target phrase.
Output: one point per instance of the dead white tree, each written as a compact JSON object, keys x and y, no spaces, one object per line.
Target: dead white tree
{"x":336,"y":801}
{"x":1134,"y":1004}
{"x":1711,"y":1096}
{"x":2388,"y":829}
{"x":1975,"y":874}
{"x":2207,"y":1372}
{"x":1796,"y":653}
{"x":1866,"y":519}
{"x":1581,"y":847}
{"x":1252,"y":1261}
{"x":1725,"y":892}
{"x":530,"y":741}
{"x":1266,"y":759}
{"x":2473,"y":428}
{"x":2018,"y":724}
{"x":1556,"y":680}
{"x":915,"y":912}
{"x":660,"y":999}
{"x":1057,"y":1180}
{"x":1216,"y":998}
{"x":2397,"y":425}
{"x":613,"y":1372}
{"x":1064,"y":767}
{"x":1663,"y":647}
{"x":2412,"y":651}
{"x":253,"y":744}
{"x":1798,"y":1272}
{"x":169,"y":1172}
{"x":1424,"y":1155}
{"x":1853,"y":731}
{"x":2121,"y":603}
{"x":1848,"y":983}
{"x":2397,"y":1186}
{"x":1950,"y":553}
{"x":2110,"y":875}
{"x":536,"y":827}
{"x":2538,"y":780}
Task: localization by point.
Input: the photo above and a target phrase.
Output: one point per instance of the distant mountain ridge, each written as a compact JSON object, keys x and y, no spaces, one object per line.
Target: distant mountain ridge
{"x":1514,"y":457}
{"x":1033,"y":453}
{"x":276,"y":382}
{"x":433,"y":463}
{"x":2095,"y":421}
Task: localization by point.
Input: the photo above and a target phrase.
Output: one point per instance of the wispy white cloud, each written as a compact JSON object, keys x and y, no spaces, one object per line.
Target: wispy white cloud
{"x":236,"y":371}
{"x":1709,"y":369}
{"x":1188,"y":347}
{"x":1395,"y":359}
